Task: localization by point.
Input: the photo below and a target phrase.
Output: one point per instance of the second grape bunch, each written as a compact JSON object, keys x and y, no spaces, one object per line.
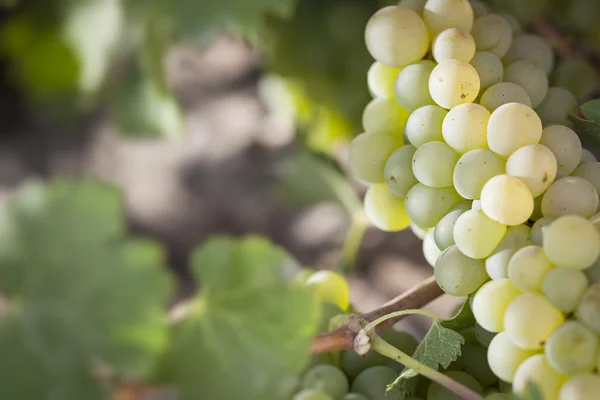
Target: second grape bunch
{"x":468,"y":141}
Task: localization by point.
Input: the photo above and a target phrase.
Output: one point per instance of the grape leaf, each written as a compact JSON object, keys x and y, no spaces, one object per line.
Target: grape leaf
{"x":591,"y":110}
{"x":462,"y":320}
{"x":586,"y":128}
{"x":79,"y":295}
{"x":248,"y":331}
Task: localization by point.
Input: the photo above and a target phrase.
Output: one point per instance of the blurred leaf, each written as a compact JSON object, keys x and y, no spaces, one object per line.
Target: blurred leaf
{"x":248,"y":332}
{"x":591,"y":110}
{"x":307,"y":179}
{"x":462,"y":320}
{"x":80,"y":295}
{"x":586,"y":128}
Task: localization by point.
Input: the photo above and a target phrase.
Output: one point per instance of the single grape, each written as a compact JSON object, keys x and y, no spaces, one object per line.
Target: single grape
{"x":530,"y":319}
{"x":444,"y":14}
{"x":438,"y":392}
{"x":476,"y":235}
{"x":489,"y":68}
{"x":328,"y":312}
{"x":572,"y":242}
{"x":433,"y":164}
{"x":588,"y":310}
{"x":570,"y":196}
{"x":474,"y":169}
{"x":492,"y":33}
{"x":490,"y":303}
{"x":431,"y":251}
{"x":528,"y":267}
{"x":380,"y":80}
{"x":373,"y":381}
{"x":418,"y":231}
{"x":530,"y":77}
{"x":507,"y":200}
{"x":386,"y":210}
{"x":532,"y":48}
{"x":504,"y":357}
{"x":572,"y":349}
{"x":464,"y":128}
{"x":535,"y":165}
{"x":454,"y":82}
{"x":503,"y":93}
{"x":312,"y":394}
{"x":396,"y":36}
{"x":453,"y":44}
{"x":483,"y":337}
{"x":516,"y":237}
{"x":536,"y":370}
{"x":384,"y":116}
{"x":514,"y":23}
{"x":476,"y":364}
{"x":587,"y":157}
{"x":463,"y":205}
{"x":354,"y":396}
{"x":412,"y":86}
{"x":457,"y":274}
{"x":425,"y":125}
{"x":577,"y":76}
{"x":580,"y":387}
{"x":564,"y":287}
{"x":590,"y":172}
{"x":368,"y":154}
{"x":479,"y":8}
{"x":425,"y":206}
{"x":443,"y":233}
{"x":328,"y":379}
{"x":565,"y":145}
{"x":511,"y":127}
{"x":330,"y":287}
{"x":398,"y":172}
{"x":415,"y":5}
{"x":537,"y":230}
{"x":556,"y":107}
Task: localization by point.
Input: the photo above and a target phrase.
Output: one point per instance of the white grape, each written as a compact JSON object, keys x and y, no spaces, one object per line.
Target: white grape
{"x":474,"y":169}
{"x":457,"y":274}
{"x":479,"y":8}
{"x":444,"y":14}
{"x":503,"y":93}
{"x":381,"y":78}
{"x":530,"y":77}
{"x":507,"y":200}
{"x":572,"y":242}
{"x":528,"y":267}
{"x":536,"y":370}
{"x":587,"y":157}
{"x":535,"y":165}
{"x":531,"y":48}
{"x":433,"y":164}
{"x":384,"y":116}
{"x":396,"y":36}
{"x":511,"y":127}
{"x":565,"y":144}
{"x":556,"y":107}
{"x":465,"y":126}
{"x":516,"y":237}
{"x":426,"y":205}
{"x":454,"y":82}
{"x":504,"y":357}
{"x":453,"y":43}
{"x":443,"y":233}
{"x":514,"y":23}
{"x":590,"y":172}
{"x":412,"y":85}
{"x":580,"y":387}
{"x":588,"y":309}
{"x":476,"y":235}
{"x":492,"y":33}
{"x":572,"y":349}
{"x":398,"y":172}
{"x":489,"y":68}
{"x":425,"y":125}
{"x":418,"y":231}
{"x":384,"y":209}
{"x":368,"y":154}
{"x":415,"y":5}
{"x":430,"y":250}
{"x":570,"y":195}
{"x":490,"y":303}
{"x":538,"y":229}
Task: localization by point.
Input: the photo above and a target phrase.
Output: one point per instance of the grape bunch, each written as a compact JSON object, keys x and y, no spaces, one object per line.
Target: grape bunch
{"x":468,"y":141}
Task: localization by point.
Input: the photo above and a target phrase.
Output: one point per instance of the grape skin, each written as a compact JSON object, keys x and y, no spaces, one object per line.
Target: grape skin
{"x":577,"y":76}
{"x":476,"y":235}
{"x":588,"y":310}
{"x":511,"y":127}
{"x":412,"y":86}
{"x":528,"y":267}
{"x":489,"y":68}
{"x":444,"y":14}
{"x":580,"y":387}
{"x":504,"y":357}
{"x":572,"y":242}
{"x":590,"y":172}
{"x":503,"y":93}
{"x":426,"y":206}
{"x":572,"y":349}
{"x":331,"y":287}
{"x":464,"y":127}
{"x":328,"y":379}
{"x":531,"y":48}
{"x":556,"y":107}
{"x":564,"y":287}
{"x":458,"y":274}
{"x":443,"y":233}
{"x":373,"y":381}
{"x":433,"y":164}
{"x":454,"y":82}
{"x":312,"y":394}
{"x":474,"y":169}
{"x":415,"y":5}
{"x":565,"y":145}
{"x":425,"y":125}
{"x":535,"y":165}
{"x":385,"y":210}
{"x":537,"y":370}
{"x":453,"y":44}
{"x":368,"y":154}
{"x":491,"y":301}
{"x":570,"y":196}
{"x":507,"y":200}
{"x":530,"y":77}
{"x":380,"y":79}
{"x":431,"y":251}
{"x":384,"y":116}
{"x":516,"y":237}
{"x":398,"y":172}
{"x":492,"y":33}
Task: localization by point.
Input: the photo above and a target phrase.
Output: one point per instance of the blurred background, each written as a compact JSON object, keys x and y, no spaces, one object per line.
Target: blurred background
{"x":218,"y":117}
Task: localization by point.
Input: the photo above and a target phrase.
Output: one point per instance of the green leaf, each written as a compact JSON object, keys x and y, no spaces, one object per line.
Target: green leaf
{"x":462,"y":320}
{"x":586,"y":128}
{"x":591,"y":110}
{"x":308,"y":179}
{"x":248,"y":331}
{"x":80,"y":295}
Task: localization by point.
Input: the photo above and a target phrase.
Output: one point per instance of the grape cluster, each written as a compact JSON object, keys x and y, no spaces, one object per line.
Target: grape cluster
{"x":467,"y":141}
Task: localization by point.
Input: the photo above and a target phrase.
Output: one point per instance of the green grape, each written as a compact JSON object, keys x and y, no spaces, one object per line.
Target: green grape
{"x":433,"y":164}
{"x":385,"y":210}
{"x":463,"y":205}
{"x":418,"y":231}
{"x":527,"y":12}
{"x":483,"y":337}
{"x":354,"y":396}
{"x":587,"y":157}
{"x":372,"y":383}
{"x":511,"y":127}
{"x":565,"y":144}
{"x":431,"y":251}
{"x":479,"y":8}
{"x":516,"y":237}
{"x":536,"y":370}
{"x":501,"y":396}
{"x":580,"y":387}
{"x":588,"y":310}
{"x":415,"y":5}
{"x":514,"y":23}
{"x":453,"y":44}
{"x":398,"y":172}
{"x":577,"y":76}
{"x":534,"y":164}
{"x":464,"y":128}
{"x":489,"y":68}
{"x":474,"y":169}
{"x":532,"y":48}
{"x":326,"y":378}
{"x":564,"y":287}
{"x":490,"y":303}
{"x":384,"y":116}
{"x":570,"y":196}
{"x":476,"y":235}
{"x":425,"y":125}
{"x":590,"y":172}
{"x":503,"y":93}
{"x":311,"y":394}
{"x":412,"y":86}
{"x":438,"y":392}
{"x":538,"y":229}
{"x":530,"y":77}
{"x":504,"y":357}
{"x":396,"y":36}
{"x":330,"y":287}
{"x":492,"y":33}
{"x":368,"y":154}
{"x":454,"y":82}
{"x":556,"y":107}
{"x":303,"y":274}
{"x":457,"y":274}
{"x":380,"y":79}
{"x":440,"y":15}
{"x":425,"y":206}
{"x":572,"y":242}
{"x":476,"y":364}
{"x":328,"y":311}
{"x":507,"y":200}
{"x":528,"y":267}
{"x":443,"y":234}
{"x":572,"y":349}
{"x":530,"y":319}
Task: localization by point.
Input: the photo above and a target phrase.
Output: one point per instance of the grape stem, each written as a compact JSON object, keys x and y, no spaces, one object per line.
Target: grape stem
{"x":389,"y":351}
{"x":402,"y":313}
